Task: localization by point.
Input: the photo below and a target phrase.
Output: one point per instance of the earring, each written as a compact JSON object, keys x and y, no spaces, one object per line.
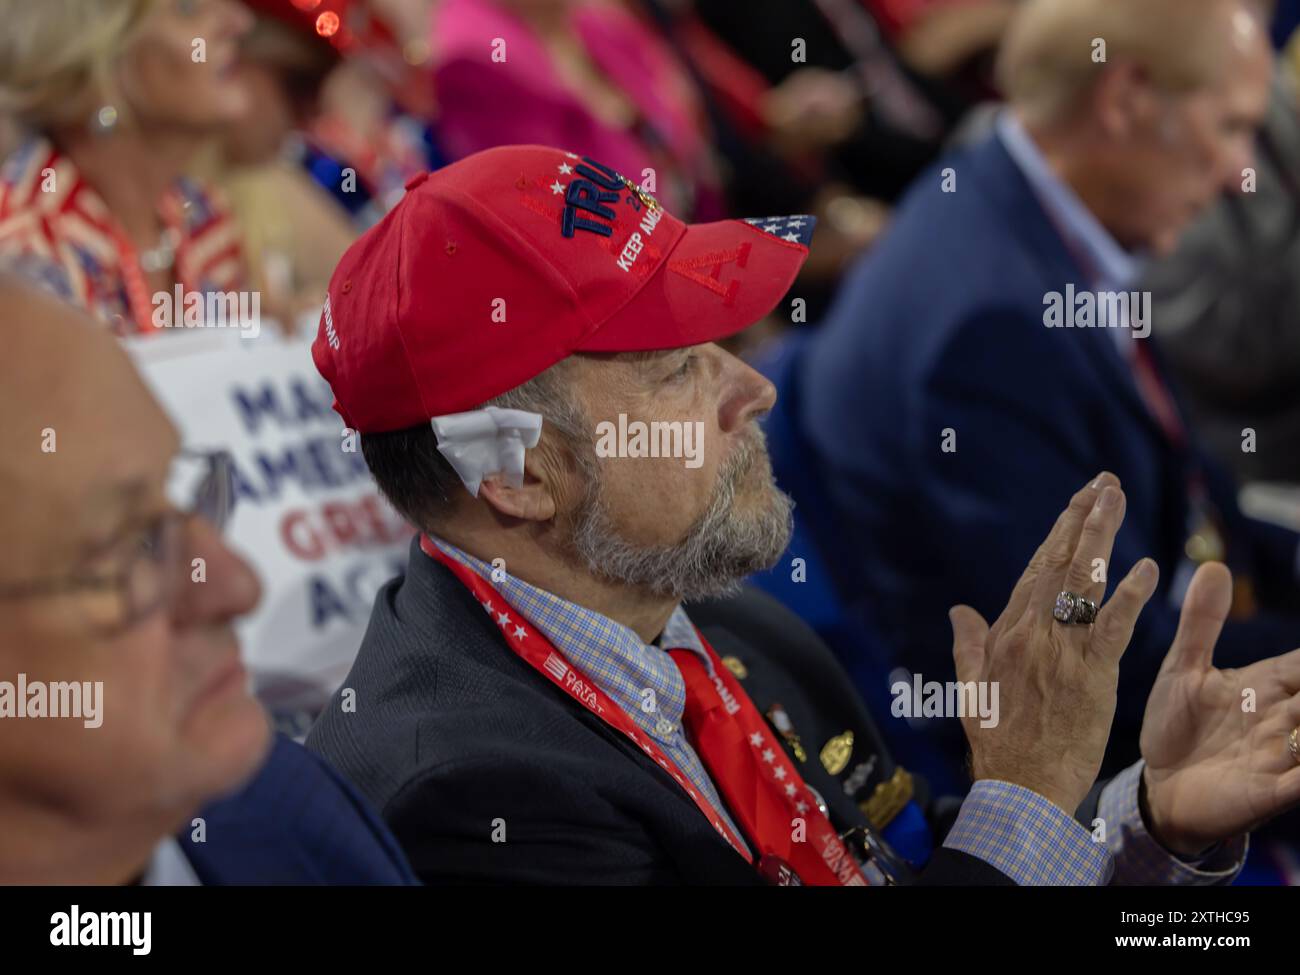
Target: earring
{"x":104,"y":121}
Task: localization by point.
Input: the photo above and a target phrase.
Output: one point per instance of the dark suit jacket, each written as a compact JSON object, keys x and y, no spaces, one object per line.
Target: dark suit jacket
{"x":455,"y":737}
{"x":296,"y":822}
{"x":941,"y":327}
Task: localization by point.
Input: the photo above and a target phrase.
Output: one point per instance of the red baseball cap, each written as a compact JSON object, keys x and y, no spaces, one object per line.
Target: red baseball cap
{"x":494,"y":268}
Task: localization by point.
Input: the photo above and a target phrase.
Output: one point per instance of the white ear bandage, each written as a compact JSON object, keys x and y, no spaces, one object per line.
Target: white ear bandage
{"x":487,"y":441}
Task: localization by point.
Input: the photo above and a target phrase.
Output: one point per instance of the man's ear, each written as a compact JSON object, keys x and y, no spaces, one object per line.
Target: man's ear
{"x":1125,"y":99}
{"x":535,"y":499}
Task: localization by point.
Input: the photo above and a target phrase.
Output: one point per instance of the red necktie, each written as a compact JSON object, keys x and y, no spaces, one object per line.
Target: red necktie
{"x":765,"y":794}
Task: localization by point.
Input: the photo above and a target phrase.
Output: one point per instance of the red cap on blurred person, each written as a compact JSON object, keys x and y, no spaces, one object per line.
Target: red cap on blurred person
{"x":495,"y":268}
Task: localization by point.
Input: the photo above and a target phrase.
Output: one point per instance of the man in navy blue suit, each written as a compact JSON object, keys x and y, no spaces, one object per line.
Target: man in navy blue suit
{"x":124,"y":707}
{"x":989,"y":353}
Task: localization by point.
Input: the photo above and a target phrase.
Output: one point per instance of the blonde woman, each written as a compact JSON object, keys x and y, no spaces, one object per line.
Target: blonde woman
{"x":115,"y":98}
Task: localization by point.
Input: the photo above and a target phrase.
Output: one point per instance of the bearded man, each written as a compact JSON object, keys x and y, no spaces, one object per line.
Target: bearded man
{"x":532,"y":703}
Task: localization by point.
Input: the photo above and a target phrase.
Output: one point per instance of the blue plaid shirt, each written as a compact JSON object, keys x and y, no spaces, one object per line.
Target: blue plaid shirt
{"x":1012,"y":828}
{"x":1035,"y":842}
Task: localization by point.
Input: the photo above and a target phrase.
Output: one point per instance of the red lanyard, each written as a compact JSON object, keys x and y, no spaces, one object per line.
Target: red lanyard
{"x":765,"y":793}
{"x":1155,"y":391}
{"x":134,"y":284}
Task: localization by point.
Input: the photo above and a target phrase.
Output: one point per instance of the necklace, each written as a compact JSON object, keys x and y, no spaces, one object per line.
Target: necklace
{"x":163,"y":256}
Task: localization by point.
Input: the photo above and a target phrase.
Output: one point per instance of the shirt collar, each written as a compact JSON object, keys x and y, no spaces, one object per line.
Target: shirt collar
{"x":611,"y":655}
{"x":170,"y":867}
{"x":1114,"y":267}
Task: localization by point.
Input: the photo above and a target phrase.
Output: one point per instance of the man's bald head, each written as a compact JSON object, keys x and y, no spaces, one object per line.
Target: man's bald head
{"x":69,"y":386}
{"x":1148,"y":109}
{"x":1051,"y":58}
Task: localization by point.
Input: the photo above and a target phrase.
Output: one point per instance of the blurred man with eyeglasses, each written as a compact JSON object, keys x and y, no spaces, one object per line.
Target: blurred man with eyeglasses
{"x":114,"y":572}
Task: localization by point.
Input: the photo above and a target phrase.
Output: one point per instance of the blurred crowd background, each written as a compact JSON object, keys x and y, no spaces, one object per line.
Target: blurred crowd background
{"x":254,"y":167}
{"x":314,"y":113}
{"x":826,"y":107}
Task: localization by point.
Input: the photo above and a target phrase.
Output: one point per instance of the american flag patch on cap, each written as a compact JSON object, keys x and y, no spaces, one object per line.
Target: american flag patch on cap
{"x":797,"y":229}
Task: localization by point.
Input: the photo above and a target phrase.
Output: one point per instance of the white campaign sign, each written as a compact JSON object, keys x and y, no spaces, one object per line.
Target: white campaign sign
{"x":307,"y":515}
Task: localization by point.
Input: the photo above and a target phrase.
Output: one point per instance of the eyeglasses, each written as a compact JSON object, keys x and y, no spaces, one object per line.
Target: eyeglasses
{"x":200,"y":484}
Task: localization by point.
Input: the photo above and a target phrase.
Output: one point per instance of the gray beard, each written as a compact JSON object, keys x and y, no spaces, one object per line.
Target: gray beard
{"x":719,"y":550}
